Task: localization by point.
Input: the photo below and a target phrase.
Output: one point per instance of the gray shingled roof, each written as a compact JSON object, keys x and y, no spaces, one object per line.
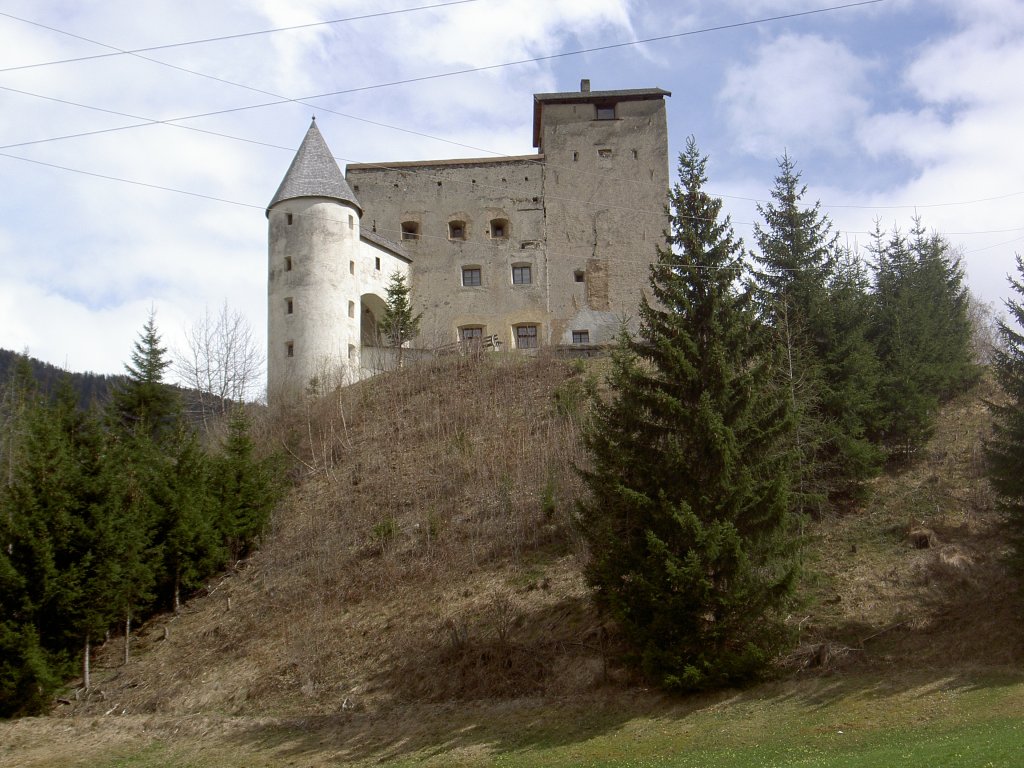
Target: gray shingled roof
{"x":383,"y":242}
{"x":314,"y":173}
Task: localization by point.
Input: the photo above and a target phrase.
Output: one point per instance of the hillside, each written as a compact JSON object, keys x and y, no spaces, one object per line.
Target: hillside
{"x":424,"y":580}
{"x":91,"y":388}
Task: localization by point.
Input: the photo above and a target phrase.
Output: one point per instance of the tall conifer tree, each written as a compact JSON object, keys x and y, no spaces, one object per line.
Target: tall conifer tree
{"x":922,"y":334}
{"x":802,"y":298}
{"x":1005,"y":450}
{"x":688,"y":520}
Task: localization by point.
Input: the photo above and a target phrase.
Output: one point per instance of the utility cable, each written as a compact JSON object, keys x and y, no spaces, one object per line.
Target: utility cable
{"x":120,"y":52}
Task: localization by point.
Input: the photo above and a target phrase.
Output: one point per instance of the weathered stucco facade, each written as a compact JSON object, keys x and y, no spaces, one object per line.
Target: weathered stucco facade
{"x":551,"y":248}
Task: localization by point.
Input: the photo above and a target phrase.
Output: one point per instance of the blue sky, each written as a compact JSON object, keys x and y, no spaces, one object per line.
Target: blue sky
{"x":887,"y":108}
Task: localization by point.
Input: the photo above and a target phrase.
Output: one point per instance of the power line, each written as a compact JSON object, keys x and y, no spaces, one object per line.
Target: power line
{"x":121,"y":52}
{"x":489,"y":67}
{"x":174,"y":121}
{"x":130,"y":181}
{"x":303,"y":100}
{"x":398,"y":232}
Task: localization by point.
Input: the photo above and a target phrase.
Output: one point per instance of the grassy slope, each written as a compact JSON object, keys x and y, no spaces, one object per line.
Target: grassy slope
{"x":419,"y":602}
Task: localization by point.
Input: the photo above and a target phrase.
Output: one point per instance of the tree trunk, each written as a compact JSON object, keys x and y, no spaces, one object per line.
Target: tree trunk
{"x":85,"y":663}
{"x":127,"y":634}
{"x":177,"y":589}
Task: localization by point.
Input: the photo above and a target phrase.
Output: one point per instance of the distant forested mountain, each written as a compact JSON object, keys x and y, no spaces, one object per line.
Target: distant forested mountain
{"x":90,"y":387}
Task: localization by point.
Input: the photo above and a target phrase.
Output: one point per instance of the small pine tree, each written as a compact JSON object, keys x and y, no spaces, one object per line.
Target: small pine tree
{"x":1005,"y":449}
{"x":688,"y":520}
{"x":245,"y":488}
{"x":144,"y":402}
{"x":399,"y":325}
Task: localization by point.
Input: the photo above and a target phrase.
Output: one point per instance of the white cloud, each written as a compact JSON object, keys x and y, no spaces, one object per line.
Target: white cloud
{"x":799,"y":90}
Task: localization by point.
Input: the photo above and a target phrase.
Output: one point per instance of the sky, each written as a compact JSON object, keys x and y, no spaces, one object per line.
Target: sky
{"x":137,"y":182}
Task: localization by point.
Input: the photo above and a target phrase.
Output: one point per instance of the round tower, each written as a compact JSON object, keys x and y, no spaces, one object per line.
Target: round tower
{"x":313,"y":297}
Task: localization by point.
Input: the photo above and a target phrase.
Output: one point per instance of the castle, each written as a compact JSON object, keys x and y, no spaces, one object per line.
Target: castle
{"x":518,"y":252}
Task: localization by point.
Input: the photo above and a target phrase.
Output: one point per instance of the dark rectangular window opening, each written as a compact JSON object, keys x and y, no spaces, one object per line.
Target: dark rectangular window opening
{"x":289,"y":216}
{"x":289,"y":349}
{"x":605,"y":111}
{"x":526,"y":336}
{"x":521,"y":275}
{"x":456,"y":230}
{"x":287,"y":263}
{"x":289,"y":306}
{"x":376,"y":263}
{"x":499,"y":229}
{"x":471,"y":277}
{"x":471,"y":334}
{"x":410,"y":230}
{"x":579,"y":275}
{"x":581,"y":337}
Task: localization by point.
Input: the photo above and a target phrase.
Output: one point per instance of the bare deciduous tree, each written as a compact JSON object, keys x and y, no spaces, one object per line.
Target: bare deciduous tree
{"x":222,"y":362}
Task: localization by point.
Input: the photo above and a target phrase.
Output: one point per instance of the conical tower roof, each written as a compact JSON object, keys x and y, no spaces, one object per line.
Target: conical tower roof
{"x":314,"y":173}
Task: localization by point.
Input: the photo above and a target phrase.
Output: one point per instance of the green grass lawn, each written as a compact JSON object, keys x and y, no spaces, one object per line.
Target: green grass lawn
{"x":853,"y":722}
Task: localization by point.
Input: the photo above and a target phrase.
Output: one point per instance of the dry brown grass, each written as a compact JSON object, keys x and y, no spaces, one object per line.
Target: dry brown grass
{"x":917,"y":577}
{"x":429,"y":555}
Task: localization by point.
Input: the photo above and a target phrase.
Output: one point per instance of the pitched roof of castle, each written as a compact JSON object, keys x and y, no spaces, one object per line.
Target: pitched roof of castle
{"x":314,"y":173}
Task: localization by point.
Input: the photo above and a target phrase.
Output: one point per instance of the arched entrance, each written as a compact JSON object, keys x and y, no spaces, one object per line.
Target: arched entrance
{"x":374,"y":356}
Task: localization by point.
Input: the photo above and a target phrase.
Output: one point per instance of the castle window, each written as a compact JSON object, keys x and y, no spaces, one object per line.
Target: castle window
{"x":521,"y":274}
{"x":575,"y":156}
{"x":605,"y":111}
{"x":289,"y":349}
{"x":634,"y":154}
{"x":499,"y":229}
{"x":471,"y":334}
{"x":581,"y":337}
{"x":410,"y":230}
{"x":351,"y":267}
{"x":289,"y":306}
{"x":604,"y":153}
{"x":289,"y":218}
{"x":579,"y":275}
{"x":376,"y":263}
{"x":351,"y":221}
{"x":351,"y":309}
{"x":471,"y":277}
{"x":456,"y":230}
{"x":287,"y":263}
{"x":526,"y":336}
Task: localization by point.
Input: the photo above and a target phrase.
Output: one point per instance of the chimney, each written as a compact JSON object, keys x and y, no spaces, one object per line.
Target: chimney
{"x":584,"y":86}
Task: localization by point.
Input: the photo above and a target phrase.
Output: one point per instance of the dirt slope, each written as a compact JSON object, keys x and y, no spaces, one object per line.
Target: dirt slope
{"x":429,"y":556}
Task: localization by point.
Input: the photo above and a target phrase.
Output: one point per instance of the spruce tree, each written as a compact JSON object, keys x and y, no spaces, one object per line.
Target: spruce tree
{"x":803,"y":300}
{"x":192,"y":546}
{"x":399,"y":325}
{"x":245,"y":488}
{"x":1005,"y":449}
{"x":921,"y":332}
{"x":691,"y":538}
{"x":144,"y":403}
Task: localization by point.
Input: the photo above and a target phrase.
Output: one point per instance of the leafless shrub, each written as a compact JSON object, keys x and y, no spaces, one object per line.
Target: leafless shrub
{"x":222,"y":362}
